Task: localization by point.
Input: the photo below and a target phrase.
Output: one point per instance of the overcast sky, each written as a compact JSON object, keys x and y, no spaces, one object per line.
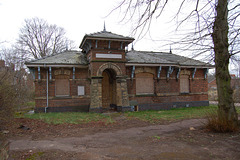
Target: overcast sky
{"x":77,"y":17}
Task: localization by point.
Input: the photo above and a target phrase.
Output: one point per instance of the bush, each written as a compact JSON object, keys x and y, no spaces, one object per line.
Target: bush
{"x":14,"y":93}
{"x":7,"y":99}
{"x":218,"y":123}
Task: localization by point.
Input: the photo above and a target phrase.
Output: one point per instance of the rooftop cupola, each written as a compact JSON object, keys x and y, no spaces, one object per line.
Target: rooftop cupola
{"x":104,"y":40}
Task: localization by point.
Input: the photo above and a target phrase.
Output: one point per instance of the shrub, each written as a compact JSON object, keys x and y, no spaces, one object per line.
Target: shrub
{"x":13,"y":93}
{"x":218,"y":123}
{"x":7,"y":99}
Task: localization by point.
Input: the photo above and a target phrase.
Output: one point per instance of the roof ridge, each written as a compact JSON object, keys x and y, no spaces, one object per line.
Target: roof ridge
{"x":151,"y":51}
{"x":92,"y":34}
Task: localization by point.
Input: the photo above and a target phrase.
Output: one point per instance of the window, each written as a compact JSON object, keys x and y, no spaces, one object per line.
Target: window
{"x":81,"y":90}
{"x":184,"y":84}
{"x":62,"y":87}
{"x":144,"y":83}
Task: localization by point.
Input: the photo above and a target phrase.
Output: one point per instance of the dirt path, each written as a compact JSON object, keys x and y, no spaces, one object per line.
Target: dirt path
{"x":172,"y":141}
{"x":104,"y":140}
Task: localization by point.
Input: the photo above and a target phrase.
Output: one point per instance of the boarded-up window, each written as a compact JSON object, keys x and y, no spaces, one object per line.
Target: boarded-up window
{"x":184,"y":84}
{"x":81,"y":90}
{"x":144,"y":83}
{"x":62,"y":87}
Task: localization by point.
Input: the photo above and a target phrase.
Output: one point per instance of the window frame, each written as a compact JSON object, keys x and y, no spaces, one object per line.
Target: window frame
{"x":184,"y":89}
{"x":67,"y":90}
{"x":144,"y":76}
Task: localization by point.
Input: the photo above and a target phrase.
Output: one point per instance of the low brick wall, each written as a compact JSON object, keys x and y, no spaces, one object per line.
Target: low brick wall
{"x":4,"y":149}
{"x":170,"y":105}
{"x":83,"y":108}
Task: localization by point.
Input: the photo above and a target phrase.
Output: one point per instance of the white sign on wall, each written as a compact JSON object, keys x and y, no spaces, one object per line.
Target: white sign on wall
{"x":81,"y":91}
{"x":100,"y":55}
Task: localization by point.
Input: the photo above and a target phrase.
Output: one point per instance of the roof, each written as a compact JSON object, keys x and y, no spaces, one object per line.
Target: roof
{"x":63,"y":58}
{"x":147,"y":57}
{"x":133,"y":57}
{"x":105,"y":35}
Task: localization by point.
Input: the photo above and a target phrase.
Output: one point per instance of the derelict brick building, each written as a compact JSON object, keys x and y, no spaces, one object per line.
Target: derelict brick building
{"x":104,"y":75}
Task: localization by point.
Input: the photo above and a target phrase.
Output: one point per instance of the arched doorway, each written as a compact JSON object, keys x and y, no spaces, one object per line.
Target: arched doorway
{"x":108,"y":89}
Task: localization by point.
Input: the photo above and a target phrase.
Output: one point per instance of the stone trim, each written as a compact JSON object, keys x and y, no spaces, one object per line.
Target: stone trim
{"x":96,"y":92}
{"x":145,"y":70}
{"x":198,"y":93}
{"x":80,"y":79}
{"x":168,"y":94}
{"x":63,"y":97}
{"x":109,"y":65}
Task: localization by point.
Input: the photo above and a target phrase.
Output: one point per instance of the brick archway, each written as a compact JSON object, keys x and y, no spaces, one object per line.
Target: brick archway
{"x":109,"y":65}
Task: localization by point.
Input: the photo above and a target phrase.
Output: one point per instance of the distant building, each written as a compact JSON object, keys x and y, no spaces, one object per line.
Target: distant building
{"x":105,"y":76}
{"x":235,"y":82}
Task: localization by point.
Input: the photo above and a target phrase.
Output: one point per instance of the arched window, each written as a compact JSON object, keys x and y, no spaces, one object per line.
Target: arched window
{"x":144,"y":83}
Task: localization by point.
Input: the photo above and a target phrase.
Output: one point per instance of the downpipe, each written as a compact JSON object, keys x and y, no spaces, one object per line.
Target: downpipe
{"x":47,"y":94}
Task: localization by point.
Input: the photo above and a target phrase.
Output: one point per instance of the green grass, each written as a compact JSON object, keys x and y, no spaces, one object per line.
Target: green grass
{"x":30,"y":104}
{"x":150,"y":116}
{"x":174,"y":114}
{"x":70,"y":117}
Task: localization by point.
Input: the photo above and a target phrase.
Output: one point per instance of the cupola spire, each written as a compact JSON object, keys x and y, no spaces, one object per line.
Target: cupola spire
{"x":132,"y":47}
{"x":104,"y":27}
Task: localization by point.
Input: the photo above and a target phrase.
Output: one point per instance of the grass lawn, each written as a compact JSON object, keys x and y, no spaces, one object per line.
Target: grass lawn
{"x":174,"y":114}
{"x":150,"y":116}
{"x":70,"y":117}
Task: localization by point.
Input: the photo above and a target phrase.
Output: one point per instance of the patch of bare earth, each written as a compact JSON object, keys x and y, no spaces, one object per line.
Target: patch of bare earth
{"x":125,"y":139}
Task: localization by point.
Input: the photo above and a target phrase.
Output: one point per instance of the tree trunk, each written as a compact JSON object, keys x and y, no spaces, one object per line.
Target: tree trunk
{"x":226,"y":108}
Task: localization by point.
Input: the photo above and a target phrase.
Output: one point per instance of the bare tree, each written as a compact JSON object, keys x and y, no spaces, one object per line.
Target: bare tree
{"x":38,"y":39}
{"x":215,"y":30}
{"x":14,"y":56}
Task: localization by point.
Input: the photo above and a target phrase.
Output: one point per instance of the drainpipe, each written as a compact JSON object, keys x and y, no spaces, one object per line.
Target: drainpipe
{"x":47,"y":94}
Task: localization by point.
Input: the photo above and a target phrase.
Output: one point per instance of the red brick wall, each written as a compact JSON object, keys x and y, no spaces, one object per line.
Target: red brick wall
{"x":81,"y":79}
{"x":169,"y":90}
{"x":165,"y":91}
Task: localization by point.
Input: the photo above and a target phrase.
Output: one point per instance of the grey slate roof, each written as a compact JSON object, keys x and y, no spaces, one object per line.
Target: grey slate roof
{"x":67,"y":58}
{"x":133,"y":57}
{"x":146,"y":57}
{"x":106,"y":34}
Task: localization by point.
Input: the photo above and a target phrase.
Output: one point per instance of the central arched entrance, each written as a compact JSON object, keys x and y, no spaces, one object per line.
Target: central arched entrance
{"x":109,"y":89}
